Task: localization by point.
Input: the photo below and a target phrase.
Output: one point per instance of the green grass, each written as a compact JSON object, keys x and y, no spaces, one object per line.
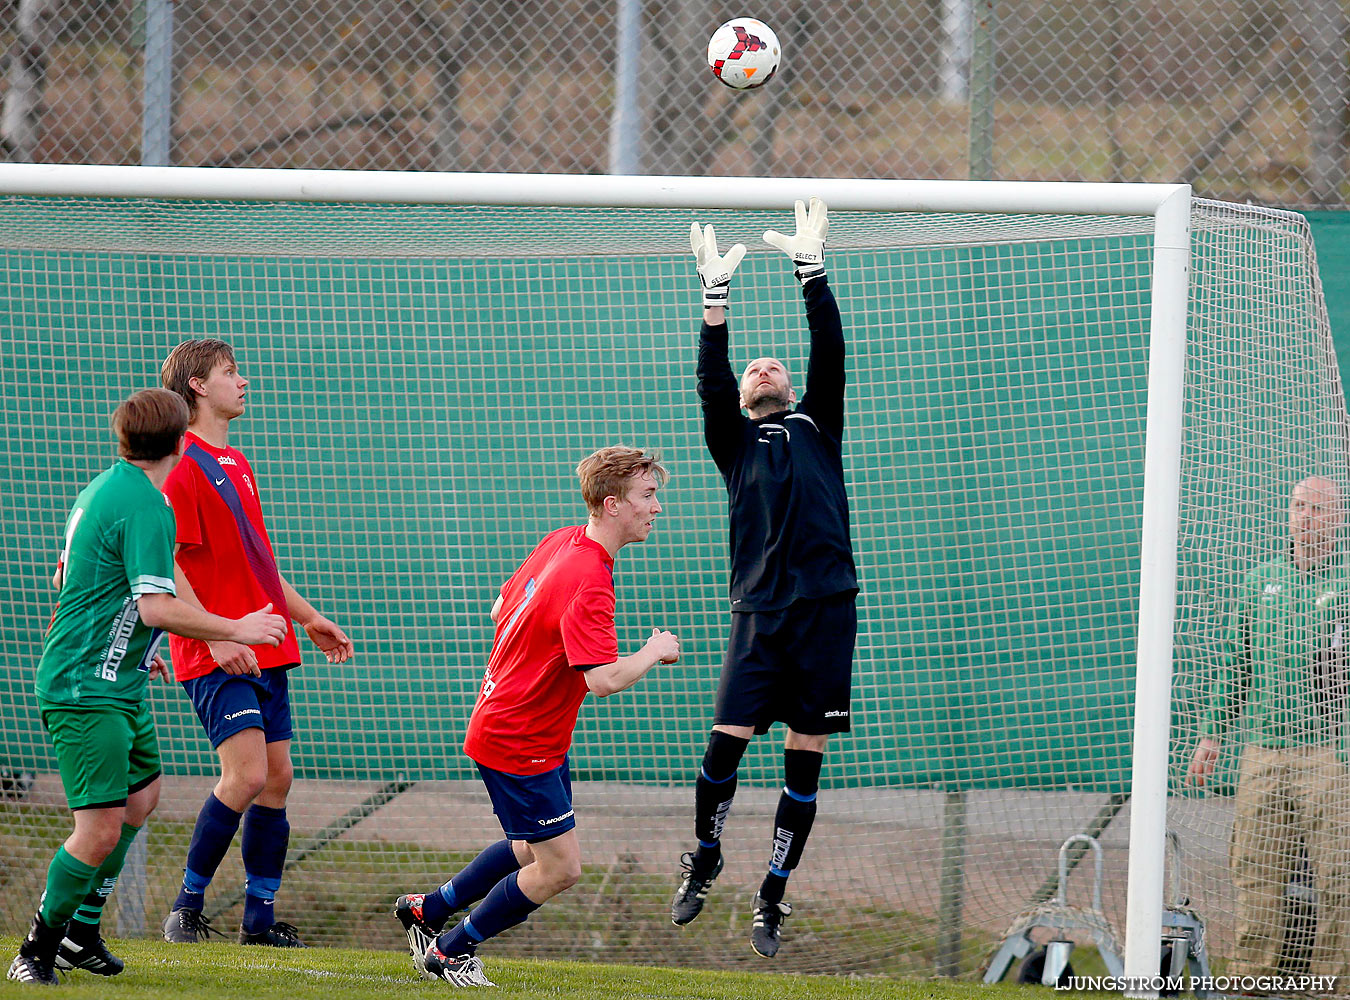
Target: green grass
{"x":158,"y":971}
{"x":341,"y":897}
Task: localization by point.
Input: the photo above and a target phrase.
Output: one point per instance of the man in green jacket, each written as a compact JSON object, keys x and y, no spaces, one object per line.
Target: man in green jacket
{"x":1284,"y":664}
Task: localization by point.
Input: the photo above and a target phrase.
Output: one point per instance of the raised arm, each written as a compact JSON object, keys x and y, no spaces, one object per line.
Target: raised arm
{"x":825,"y":380}
{"x":723,"y":422}
{"x":824,"y":396}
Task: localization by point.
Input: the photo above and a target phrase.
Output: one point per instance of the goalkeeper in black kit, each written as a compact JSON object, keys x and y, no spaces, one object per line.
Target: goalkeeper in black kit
{"x":793,"y":583}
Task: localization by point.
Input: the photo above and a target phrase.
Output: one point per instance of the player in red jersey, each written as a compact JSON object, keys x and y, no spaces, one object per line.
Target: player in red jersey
{"x":240,"y":693}
{"x":555,"y":642}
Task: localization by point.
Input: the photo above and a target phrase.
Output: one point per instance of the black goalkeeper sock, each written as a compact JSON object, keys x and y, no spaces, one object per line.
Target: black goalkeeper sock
{"x":792,"y":823}
{"x":773,"y":887}
{"x":713,"y":793}
{"x":705,"y":858}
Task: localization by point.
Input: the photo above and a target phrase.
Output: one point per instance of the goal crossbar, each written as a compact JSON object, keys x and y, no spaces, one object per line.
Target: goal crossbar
{"x":432,"y":188}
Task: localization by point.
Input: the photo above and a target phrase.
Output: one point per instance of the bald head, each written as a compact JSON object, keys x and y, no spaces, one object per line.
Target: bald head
{"x":1315,"y":513}
{"x":766,"y":387}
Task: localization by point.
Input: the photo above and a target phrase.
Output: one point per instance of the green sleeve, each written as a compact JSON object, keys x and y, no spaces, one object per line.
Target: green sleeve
{"x":147,"y":550}
{"x":1235,"y":670}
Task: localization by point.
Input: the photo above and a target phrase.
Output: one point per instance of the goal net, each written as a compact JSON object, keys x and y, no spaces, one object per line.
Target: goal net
{"x":424,"y":378}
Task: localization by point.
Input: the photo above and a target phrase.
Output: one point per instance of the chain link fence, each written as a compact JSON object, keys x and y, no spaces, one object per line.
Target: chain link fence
{"x":1243,"y":98}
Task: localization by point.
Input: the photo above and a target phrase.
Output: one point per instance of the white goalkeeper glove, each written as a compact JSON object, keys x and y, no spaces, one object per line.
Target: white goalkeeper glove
{"x":807,"y":247}
{"x":713,"y":271}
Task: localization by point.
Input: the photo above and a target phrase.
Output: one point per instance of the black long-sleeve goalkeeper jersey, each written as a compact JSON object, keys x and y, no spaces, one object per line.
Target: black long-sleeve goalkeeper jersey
{"x":784,"y":472}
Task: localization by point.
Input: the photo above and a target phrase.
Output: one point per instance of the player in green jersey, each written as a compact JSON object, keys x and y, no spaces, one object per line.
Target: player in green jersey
{"x":1283,"y":673}
{"x":117,"y":597}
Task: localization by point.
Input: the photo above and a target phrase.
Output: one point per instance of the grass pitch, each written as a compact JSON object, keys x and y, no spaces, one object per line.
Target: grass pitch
{"x":158,"y":971}
{"x":615,"y":915}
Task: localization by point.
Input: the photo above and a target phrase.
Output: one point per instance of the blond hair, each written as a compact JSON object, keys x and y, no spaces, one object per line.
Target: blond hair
{"x":607,"y":473}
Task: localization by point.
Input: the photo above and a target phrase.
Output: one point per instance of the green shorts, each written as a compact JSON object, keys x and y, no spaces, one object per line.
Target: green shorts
{"x":104,"y":752}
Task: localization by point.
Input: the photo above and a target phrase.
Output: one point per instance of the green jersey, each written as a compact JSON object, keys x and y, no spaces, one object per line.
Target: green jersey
{"x":118,"y":547}
{"x":1284,"y":657}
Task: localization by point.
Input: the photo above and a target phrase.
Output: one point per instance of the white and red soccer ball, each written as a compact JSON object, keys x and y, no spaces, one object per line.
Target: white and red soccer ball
{"x":744,"y":53}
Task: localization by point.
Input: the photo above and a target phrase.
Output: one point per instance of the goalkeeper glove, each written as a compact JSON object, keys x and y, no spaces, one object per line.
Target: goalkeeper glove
{"x":713,"y":271}
{"x":807,"y":247}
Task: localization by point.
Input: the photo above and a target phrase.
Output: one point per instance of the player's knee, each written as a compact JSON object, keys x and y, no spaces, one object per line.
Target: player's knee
{"x":280,"y":778}
{"x":567,"y":876}
{"x":98,"y":853}
{"x":561,"y":872}
{"x":246,"y":782}
{"x":94,"y":843}
{"x":108,"y":842}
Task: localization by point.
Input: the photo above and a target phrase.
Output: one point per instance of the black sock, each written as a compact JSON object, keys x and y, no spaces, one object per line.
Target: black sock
{"x":792,"y":823}
{"x":773,"y":887}
{"x":81,"y":932}
{"x":713,"y":792}
{"x":42,"y":941}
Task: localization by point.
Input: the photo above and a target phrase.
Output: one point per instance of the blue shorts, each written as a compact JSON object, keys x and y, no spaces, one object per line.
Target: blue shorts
{"x":229,"y":704}
{"x":532,"y":807}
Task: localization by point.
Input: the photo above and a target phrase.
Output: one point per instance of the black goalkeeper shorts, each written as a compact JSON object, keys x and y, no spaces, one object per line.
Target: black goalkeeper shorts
{"x":793,"y":666}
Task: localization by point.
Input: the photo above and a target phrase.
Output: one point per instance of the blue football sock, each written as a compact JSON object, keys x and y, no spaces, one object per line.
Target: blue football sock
{"x":505,"y":906}
{"x":471,"y":884}
{"x":216,"y":824}
{"x":266,"y":835}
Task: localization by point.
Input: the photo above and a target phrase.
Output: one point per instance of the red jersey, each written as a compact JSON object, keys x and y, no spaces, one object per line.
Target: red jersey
{"x":556,"y":618}
{"x":214,"y":559}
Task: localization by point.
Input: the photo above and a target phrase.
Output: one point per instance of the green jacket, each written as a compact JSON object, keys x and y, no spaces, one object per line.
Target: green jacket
{"x":1283,"y":657}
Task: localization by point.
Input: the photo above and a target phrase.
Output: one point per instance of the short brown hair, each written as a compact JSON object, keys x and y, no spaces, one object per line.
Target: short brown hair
{"x":149,"y":424}
{"x":192,"y":359}
{"x":606,"y":473}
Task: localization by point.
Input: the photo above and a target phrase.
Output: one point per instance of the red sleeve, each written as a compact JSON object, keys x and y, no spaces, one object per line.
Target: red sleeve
{"x":588,"y":629}
{"x":181,"y":489}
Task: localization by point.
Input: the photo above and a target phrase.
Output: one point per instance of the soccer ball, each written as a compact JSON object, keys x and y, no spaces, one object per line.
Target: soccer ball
{"x":744,"y":53}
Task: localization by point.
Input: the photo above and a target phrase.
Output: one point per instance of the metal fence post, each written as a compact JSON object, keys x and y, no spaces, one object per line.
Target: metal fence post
{"x":625,"y":121}
{"x":955,"y":66}
{"x":157,"y":105}
{"x":951,"y":884}
{"x":1324,"y":26}
{"x":983,"y":53}
{"x":131,"y":887}
{"x":952,"y":878}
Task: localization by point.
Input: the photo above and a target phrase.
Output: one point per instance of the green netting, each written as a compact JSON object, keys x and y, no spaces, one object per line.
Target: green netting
{"x":414,"y":421}
{"x":425,"y":379}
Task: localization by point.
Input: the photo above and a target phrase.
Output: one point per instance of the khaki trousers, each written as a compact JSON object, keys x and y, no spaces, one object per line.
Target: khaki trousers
{"x":1285,"y":796}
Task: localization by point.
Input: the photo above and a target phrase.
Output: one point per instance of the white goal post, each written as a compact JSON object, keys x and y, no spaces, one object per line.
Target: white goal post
{"x":1167,"y":205}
